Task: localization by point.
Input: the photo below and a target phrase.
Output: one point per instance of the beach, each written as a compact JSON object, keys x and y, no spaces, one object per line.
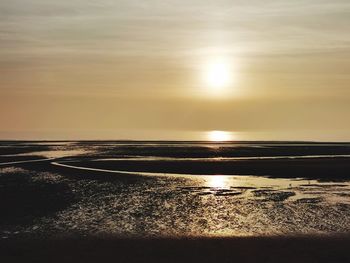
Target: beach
{"x":208,"y":201}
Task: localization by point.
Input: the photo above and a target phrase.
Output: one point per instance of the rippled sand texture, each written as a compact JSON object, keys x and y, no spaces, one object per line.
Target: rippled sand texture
{"x":43,"y":199}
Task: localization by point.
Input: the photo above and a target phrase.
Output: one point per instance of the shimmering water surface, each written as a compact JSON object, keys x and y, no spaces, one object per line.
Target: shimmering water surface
{"x":91,"y":189}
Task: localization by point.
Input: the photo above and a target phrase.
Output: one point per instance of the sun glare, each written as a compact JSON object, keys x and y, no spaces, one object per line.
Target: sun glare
{"x":219,"y":136}
{"x":217,"y":181}
{"x":217,"y":77}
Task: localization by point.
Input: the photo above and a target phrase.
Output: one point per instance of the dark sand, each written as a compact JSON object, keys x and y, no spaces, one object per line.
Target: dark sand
{"x":58,"y":214}
{"x":113,"y":249}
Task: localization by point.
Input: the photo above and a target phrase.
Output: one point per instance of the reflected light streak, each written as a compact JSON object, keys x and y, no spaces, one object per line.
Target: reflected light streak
{"x":218,"y":181}
{"x":219,"y":136}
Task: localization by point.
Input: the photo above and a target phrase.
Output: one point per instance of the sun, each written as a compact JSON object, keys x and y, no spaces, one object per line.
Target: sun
{"x":218,"y":75}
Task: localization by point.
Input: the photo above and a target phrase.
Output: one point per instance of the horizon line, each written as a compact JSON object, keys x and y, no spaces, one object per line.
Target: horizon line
{"x":179,"y":141}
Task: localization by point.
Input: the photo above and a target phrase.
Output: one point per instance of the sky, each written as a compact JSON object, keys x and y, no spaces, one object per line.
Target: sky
{"x":175,"y":69}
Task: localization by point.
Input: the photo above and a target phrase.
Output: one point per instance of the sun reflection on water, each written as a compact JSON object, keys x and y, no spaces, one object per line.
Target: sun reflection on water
{"x":217,"y":181}
{"x":219,"y":136}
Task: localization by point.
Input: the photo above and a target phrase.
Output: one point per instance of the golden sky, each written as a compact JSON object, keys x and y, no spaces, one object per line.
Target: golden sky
{"x":159,"y":69}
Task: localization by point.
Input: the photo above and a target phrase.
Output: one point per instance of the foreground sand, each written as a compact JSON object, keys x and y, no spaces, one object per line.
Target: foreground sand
{"x":54,"y":213}
{"x":111,"y":249}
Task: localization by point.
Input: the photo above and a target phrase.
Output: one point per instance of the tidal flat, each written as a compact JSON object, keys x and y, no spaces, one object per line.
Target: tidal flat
{"x":200,"y":191}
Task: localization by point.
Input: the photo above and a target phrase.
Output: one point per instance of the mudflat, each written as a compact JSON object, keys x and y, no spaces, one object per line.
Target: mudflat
{"x":175,"y":201}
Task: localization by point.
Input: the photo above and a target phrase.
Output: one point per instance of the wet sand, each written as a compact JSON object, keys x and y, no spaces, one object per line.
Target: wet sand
{"x":174,"y":208}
